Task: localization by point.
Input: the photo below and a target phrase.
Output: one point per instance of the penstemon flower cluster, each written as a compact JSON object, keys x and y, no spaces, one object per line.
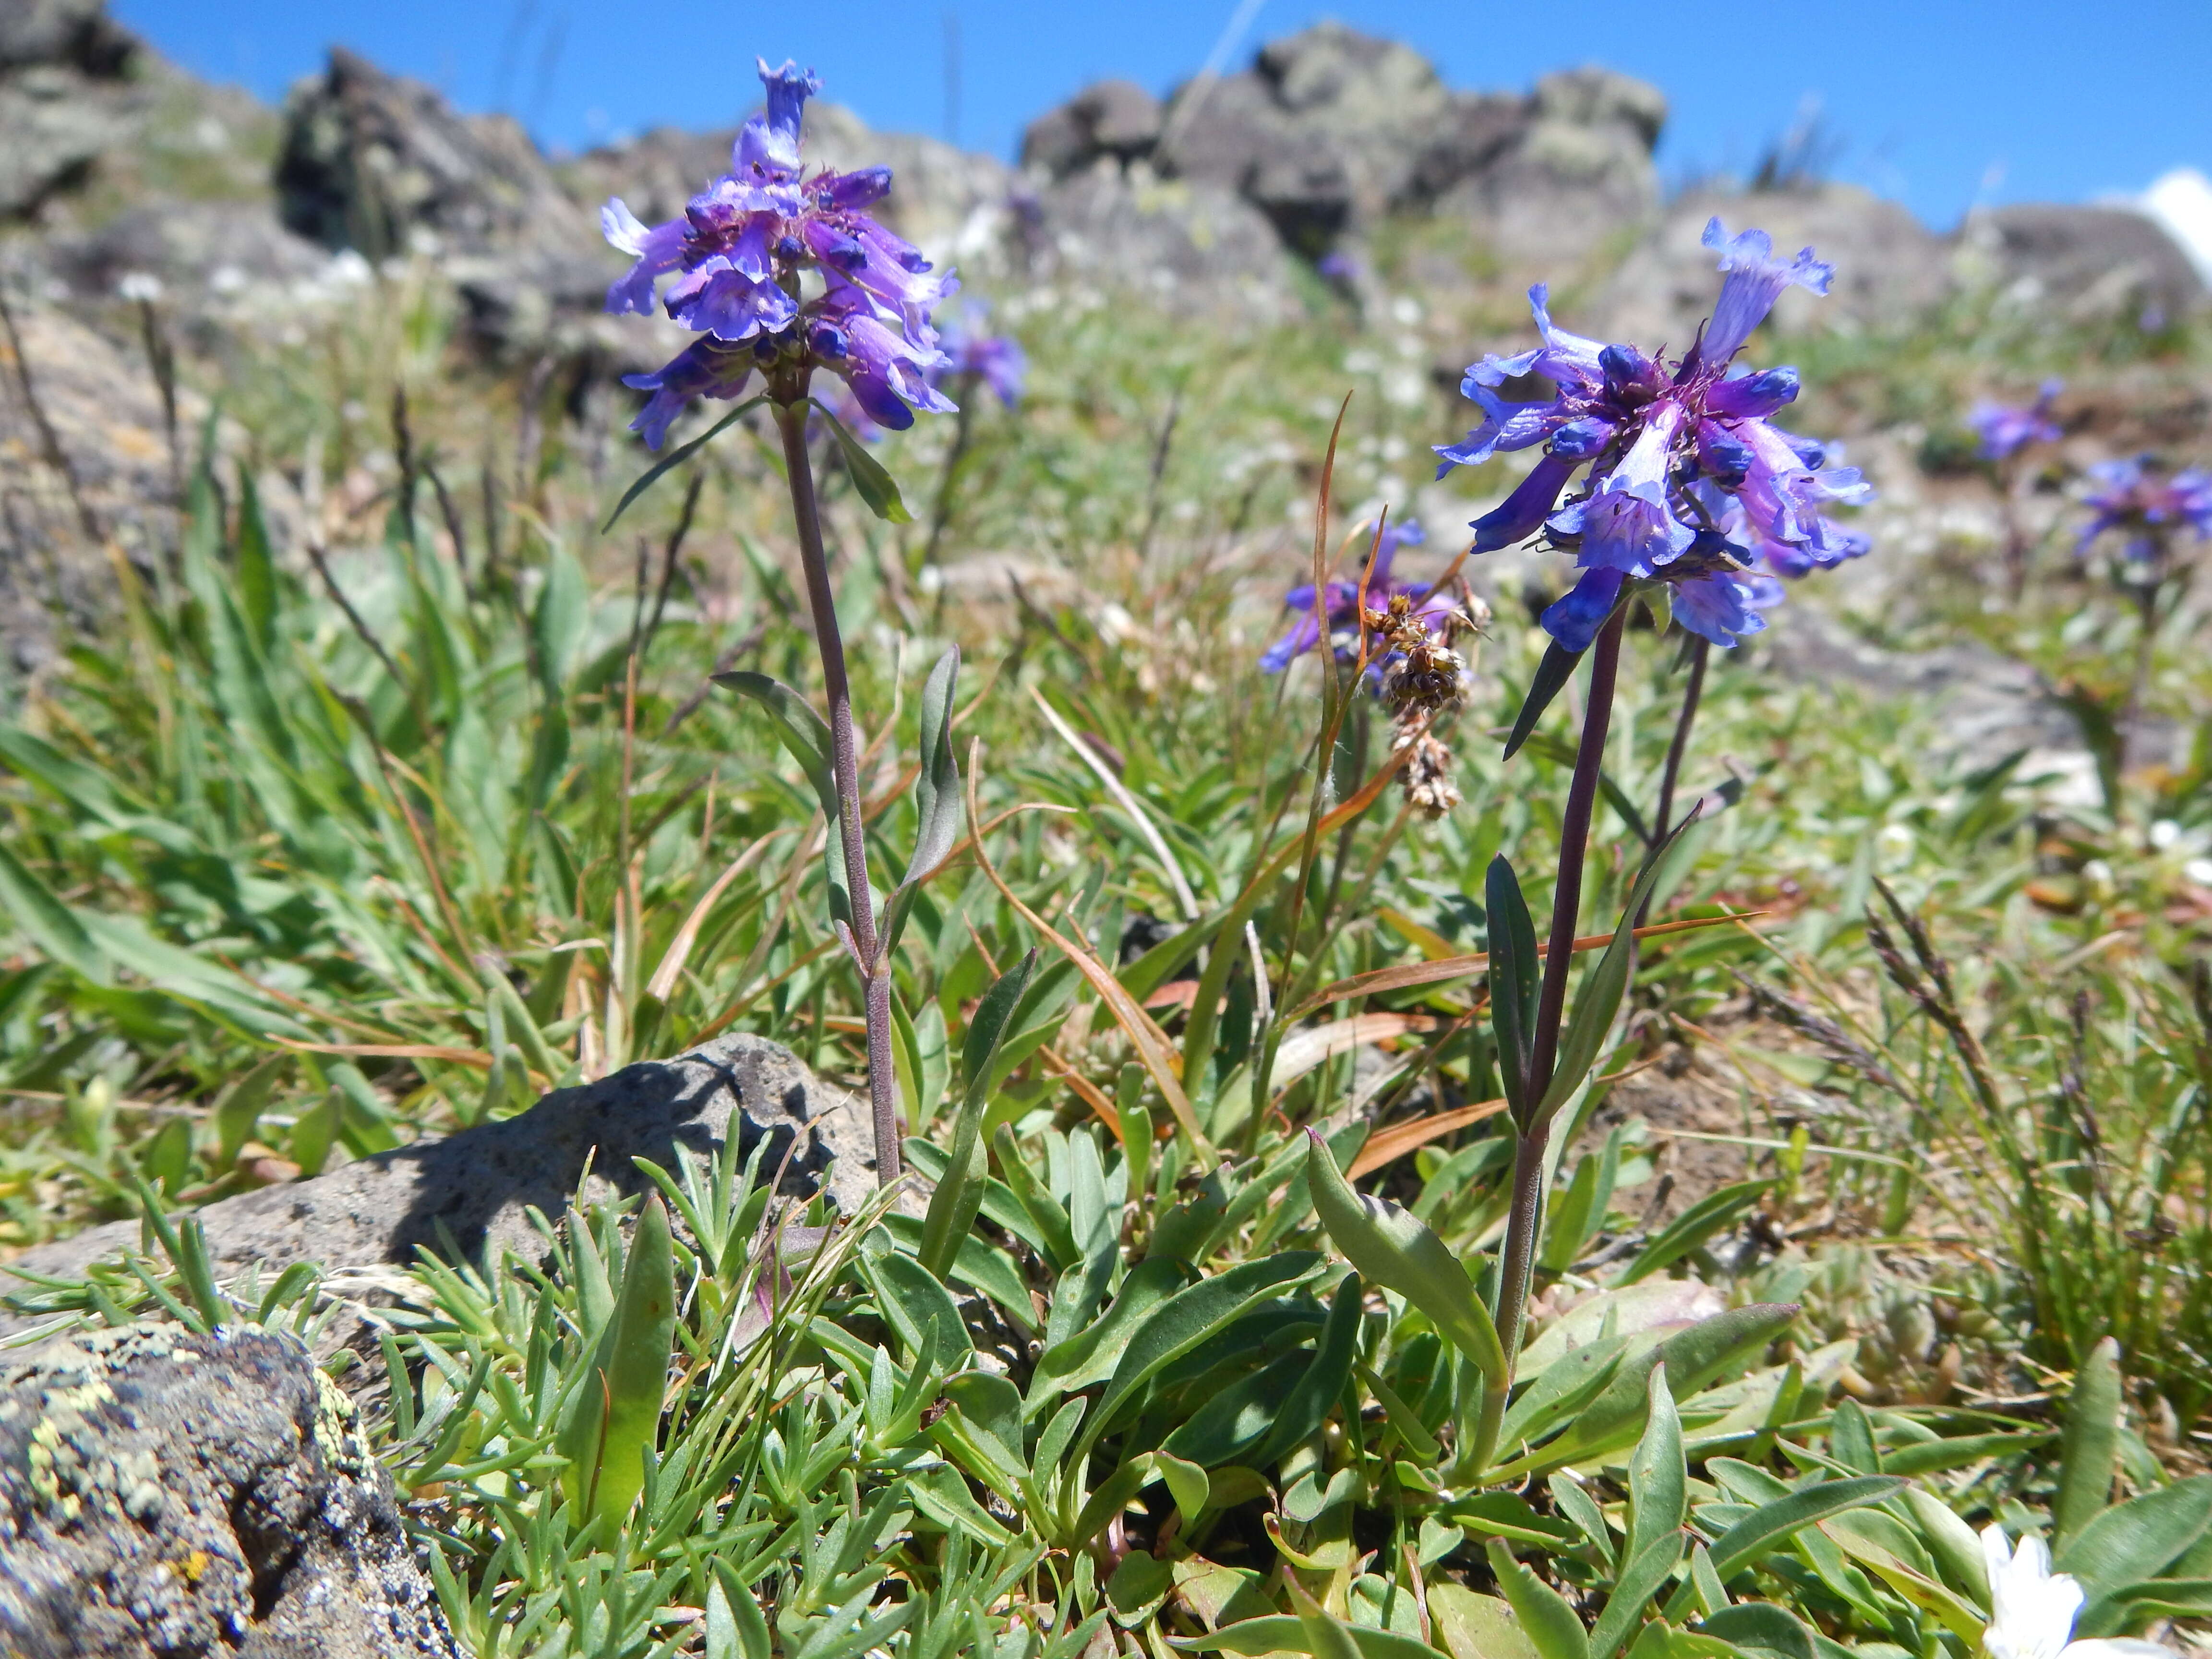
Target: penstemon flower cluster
{"x":780,"y":275}
{"x":1691,"y":488}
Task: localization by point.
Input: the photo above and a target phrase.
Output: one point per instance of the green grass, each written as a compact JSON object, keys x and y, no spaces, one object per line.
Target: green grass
{"x":289,"y":884}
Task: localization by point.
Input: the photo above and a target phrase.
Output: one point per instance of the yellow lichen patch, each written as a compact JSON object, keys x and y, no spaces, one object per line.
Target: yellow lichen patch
{"x":192,"y":1567}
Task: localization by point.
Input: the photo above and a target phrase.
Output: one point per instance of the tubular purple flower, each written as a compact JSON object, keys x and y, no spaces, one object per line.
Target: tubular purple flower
{"x":741,"y":255}
{"x":1516,"y":517}
{"x":1626,"y":522}
{"x":2144,"y":512}
{"x":1688,"y":482}
{"x":2005,"y":430}
{"x":1574,"y":620}
{"x":1755,"y":281}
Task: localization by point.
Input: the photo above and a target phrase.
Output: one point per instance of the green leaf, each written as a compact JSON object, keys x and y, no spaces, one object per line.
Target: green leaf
{"x":917,"y":1308}
{"x":1772,"y":1525}
{"x":47,"y":922}
{"x":1850,"y":1439}
{"x":1950,"y":1541}
{"x":876,"y":487}
{"x":1762,"y":1628}
{"x":1189,"y":1318}
{"x":1931,"y":1456}
{"x":1280,"y":1632}
{"x":1690,"y":1229}
{"x":238,"y":1110}
{"x":1324,"y":1636}
{"x":1187,"y":1484}
{"x":1514,"y":981}
{"x":1598,"y":998}
{"x":936,"y":795}
{"x":1550,"y":1624}
{"x":2089,"y":1450}
{"x":1640,"y":1580}
{"x":2139,"y":1539}
{"x":959,"y":1194}
{"x":1552,"y":677}
{"x":806,"y":737}
{"x":1658,"y":1475}
{"x":614,"y":1414}
{"x":1318,"y":1391}
{"x":1231,"y":1422}
{"x":677,"y":457}
{"x":1476,"y":1627}
{"x":1394,"y":1248}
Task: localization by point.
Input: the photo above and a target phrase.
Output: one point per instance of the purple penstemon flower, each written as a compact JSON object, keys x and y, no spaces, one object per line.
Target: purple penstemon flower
{"x":995,"y":359}
{"x":1341,"y":604}
{"x":1690,"y":483}
{"x":2127,"y":499}
{"x":783,"y":274}
{"x":2005,"y":429}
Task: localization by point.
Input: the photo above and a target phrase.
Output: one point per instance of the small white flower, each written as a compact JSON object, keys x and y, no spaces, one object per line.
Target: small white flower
{"x":2032,"y":1609}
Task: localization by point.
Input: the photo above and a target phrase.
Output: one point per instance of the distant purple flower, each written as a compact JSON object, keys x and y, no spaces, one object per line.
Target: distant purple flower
{"x":1340,"y":602}
{"x":2005,"y":430}
{"x":997,"y":359}
{"x":738,"y":256}
{"x":1689,"y":484}
{"x":2145,"y":512}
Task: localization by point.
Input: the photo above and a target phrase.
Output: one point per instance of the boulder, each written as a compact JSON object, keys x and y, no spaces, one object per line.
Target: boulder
{"x":372,"y":162}
{"x":2084,"y":262}
{"x":75,"y":33}
{"x":167,"y":1493}
{"x":479,"y":1186}
{"x":85,"y":462}
{"x":52,"y":129}
{"x":1116,"y":119}
{"x":1575,"y":175}
{"x":1890,"y":268}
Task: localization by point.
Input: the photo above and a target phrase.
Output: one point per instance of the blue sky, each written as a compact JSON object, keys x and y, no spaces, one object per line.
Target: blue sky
{"x":1940,"y":103}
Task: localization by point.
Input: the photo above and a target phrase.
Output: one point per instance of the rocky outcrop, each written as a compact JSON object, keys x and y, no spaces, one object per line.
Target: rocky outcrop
{"x":1331,"y":131}
{"x":477,"y":1186}
{"x":62,"y":66}
{"x":373,"y":161}
{"x":85,"y":464}
{"x":2084,"y":264}
{"x":1890,"y":268}
{"x":171,"y":1494}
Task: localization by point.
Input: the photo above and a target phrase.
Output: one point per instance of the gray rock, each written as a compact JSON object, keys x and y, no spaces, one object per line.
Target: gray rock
{"x":164,"y":1493}
{"x":1890,"y":268}
{"x":84,"y":420}
{"x":2084,"y":262}
{"x":76,"y":33}
{"x":1110,"y":118}
{"x":371,"y":159}
{"x":479,"y":1184}
{"x":1193,"y":247}
{"x":1574,"y":178}
{"x":53,"y":127}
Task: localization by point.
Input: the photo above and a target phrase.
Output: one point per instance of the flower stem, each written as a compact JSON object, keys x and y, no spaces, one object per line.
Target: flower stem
{"x":844,"y":765}
{"x":1528,"y":1163}
{"x":1662,"y":820}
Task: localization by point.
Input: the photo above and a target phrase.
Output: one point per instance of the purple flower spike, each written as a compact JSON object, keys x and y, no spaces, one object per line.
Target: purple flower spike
{"x":785,"y":274}
{"x":1688,"y":484}
{"x":1755,"y":281}
{"x":2143,"y":511}
{"x":2005,"y":430}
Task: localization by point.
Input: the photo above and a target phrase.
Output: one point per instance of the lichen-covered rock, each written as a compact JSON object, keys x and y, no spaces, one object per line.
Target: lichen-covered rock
{"x":479,"y":1186}
{"x":164,"y":1492}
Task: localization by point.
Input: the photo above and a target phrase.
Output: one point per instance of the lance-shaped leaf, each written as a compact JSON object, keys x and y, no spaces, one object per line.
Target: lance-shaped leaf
{"x":876,"y":487}
{"x":1658,"y":1477}
{"x":2089,"y":1455}
{"x":1543,"y":1612}
{"x":1322,"y":1635}
{"x":1513,"y":981}
{"x":614,"y":1414}
{"x":1187,"y":1318}
{"x":959,"y":1195}
{"x":1395,"y":1249}
{"x":805,"y":737}
{"x":1772,"y":1525}
{"x":47,"y":922}
{"x":936,"y":795}
{"x":675,"y":458}
{"x":1552,"y":677}
{"x":1602,"y":988}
